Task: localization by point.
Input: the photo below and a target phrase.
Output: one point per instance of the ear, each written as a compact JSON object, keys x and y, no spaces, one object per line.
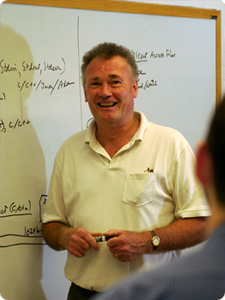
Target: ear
{"x":135,"y":88}
{"x":85,"y":93}
{"x":204,"y":169}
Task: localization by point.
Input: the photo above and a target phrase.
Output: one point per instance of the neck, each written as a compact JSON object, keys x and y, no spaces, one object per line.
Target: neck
{"x":114,"y":138}
{"x":217,"y":218}
{"x":217,"y":211}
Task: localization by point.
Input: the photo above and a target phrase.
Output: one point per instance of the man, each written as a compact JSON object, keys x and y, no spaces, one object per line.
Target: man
{"x":122,"y":177}
{"x":200,"y":275}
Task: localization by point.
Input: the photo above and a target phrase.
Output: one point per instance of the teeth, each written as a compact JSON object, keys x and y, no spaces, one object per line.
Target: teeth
{"x":107,"y":104}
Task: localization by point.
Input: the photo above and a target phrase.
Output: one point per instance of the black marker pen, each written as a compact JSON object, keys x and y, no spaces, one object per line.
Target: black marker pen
{"x":103,"y":238}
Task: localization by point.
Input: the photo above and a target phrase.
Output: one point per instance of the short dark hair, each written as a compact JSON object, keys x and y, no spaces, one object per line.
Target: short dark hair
{"x":216,"y":145}
{"x":107,"y":51}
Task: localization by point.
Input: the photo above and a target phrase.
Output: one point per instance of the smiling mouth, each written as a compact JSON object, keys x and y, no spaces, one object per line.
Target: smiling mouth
{"x":110,"y":104}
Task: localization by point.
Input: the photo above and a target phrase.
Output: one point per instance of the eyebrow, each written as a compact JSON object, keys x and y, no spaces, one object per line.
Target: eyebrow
{"x":94,"y":78}
{"x":113,"y":76}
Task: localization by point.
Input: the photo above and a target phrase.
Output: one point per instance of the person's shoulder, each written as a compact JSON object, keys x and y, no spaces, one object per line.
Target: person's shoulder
{"x":165,"y":130}
{"x":72,"y":144}
{"x":76,"y":137}
{"x":159,"y":130}
{"x":167,"y":137}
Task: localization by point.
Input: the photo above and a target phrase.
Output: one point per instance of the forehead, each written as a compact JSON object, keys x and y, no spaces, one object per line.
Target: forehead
{"x":115,"y":65}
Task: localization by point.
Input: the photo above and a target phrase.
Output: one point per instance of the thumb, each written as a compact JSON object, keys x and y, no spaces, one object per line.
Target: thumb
{"x":113,"y":232}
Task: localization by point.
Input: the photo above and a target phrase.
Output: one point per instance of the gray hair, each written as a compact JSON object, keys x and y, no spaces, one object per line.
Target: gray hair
{"x":107,"y":51}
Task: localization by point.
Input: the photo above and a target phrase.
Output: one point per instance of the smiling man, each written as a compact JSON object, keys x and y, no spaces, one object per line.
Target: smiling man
{"x":110,"y":90}
{"x":124,"y":178}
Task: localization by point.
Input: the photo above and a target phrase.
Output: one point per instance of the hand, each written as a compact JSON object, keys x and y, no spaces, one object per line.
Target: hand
{"x":128,"y":245}
{"x":80,"y":241}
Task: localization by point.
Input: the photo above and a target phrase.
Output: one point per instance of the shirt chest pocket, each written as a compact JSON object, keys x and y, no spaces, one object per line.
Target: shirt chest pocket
{"x":139,"y":189}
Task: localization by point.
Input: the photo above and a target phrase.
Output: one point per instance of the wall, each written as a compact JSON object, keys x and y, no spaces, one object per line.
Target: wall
{"x":207,"y":4}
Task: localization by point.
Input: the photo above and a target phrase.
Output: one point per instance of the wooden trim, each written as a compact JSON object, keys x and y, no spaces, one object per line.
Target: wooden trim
{"x":218,"y":60}
{"x":126,"y":7}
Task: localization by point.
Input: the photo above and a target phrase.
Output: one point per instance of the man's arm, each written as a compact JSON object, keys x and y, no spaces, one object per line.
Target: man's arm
{"x":62,"y":237}
{"x":183,"y":233}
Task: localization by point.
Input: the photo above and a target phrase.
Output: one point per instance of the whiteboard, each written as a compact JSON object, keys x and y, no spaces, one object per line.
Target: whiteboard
{"x":42,"y":104}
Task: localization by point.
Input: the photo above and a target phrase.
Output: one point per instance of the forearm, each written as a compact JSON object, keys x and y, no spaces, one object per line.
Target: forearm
{"x":182,"y":234}
{"x":57,"y":235}
{"x":129,"y":245}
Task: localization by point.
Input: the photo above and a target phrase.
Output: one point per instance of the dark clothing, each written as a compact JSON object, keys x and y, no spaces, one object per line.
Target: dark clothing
{"x":196,"y":276}
{"x":78,"y":293}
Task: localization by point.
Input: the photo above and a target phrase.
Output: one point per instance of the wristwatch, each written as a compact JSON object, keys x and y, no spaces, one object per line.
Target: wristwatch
{"x":155,"y":240}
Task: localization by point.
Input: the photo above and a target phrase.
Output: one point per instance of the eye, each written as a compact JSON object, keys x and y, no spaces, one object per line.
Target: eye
{"x":115,"y":83}
{"x":94,"y":84}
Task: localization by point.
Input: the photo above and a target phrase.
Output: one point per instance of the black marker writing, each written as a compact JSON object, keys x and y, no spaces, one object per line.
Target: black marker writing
{"x":16,"y":209}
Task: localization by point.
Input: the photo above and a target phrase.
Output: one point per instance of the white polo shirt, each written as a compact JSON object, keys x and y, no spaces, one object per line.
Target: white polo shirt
{"x":148,"y":184}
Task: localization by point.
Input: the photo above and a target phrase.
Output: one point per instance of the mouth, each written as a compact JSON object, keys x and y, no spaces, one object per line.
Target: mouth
{"x":108,"y":104}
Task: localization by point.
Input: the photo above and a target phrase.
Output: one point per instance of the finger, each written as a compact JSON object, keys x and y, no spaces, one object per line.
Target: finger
{"x":113,"y":232}
{"x":82,"y":240}
{"x":77,"y":251}
{"x":116,"y":256}
{"x":79,"y":246}
{"x":97,"y":234}
{"x":88,"y":238}
{"x":92,"y":242}
{"x":94,"y":235}
{"x":120,"y":257}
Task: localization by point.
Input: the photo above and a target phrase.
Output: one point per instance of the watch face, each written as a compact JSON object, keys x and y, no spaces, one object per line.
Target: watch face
{"x":156,"y":241}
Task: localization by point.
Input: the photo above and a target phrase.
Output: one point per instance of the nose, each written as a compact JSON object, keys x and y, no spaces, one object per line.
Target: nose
{"x":105,"y":90}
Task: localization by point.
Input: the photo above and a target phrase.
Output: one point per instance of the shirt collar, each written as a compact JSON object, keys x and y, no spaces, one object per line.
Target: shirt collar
{"x":143,"y":126}
{"x":90,"y":137}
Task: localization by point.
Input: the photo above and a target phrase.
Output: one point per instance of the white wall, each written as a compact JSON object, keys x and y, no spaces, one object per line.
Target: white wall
{"x":208,"y":4}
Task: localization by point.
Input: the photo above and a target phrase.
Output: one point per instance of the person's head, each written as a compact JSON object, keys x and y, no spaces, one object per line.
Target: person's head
{"x":106,"y":51}
{"x":110,"y":84}
{"x":211,"y":161}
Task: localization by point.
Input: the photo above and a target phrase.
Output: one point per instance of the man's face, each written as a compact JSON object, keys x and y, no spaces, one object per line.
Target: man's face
{"x":110,"y":91}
